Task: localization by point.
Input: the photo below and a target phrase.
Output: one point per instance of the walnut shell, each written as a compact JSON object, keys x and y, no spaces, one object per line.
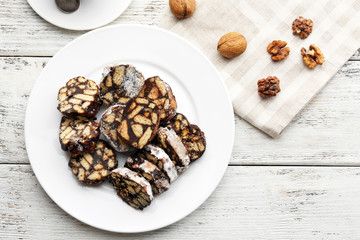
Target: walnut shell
{"x":232,"y":45}
{"x":182,"y":8}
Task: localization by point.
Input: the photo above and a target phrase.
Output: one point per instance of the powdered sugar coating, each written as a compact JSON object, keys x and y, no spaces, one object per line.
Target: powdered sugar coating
{"x":168,"y":166}
{"x":109,"y":129}
{"x":133,"y":176}
{"x":132,"y":82}
{"x":107,"y":70}
{"x":162,"y":184}
{"x":178,"y":146}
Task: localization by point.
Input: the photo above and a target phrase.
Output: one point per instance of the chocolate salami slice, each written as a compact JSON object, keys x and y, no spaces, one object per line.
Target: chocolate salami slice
{"x":168,"y":140}
{"x":80,"y":97}
{"x":157,"y":179}
{"x":120,"y":81}
{"x":78,"y":134}
{"x":94,"y":167}
{"x":178,"y":123}
{"x":139,"y":123}
{"x":190,"y":134}
{"x":133,"y":189}
{"x":194,"y":141}
{"x":158,"y":156}
{"x":109,"y":123}
{"x":160,"y":93}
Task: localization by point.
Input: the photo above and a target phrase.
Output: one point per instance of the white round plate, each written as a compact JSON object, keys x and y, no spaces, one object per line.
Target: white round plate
{"x":91,"y":13}
{"x":200,"y":94}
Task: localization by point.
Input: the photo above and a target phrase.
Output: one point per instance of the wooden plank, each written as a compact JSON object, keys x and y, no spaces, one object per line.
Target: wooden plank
{"x":19,"y":22}
{"x":356,"y":56}
{"x":17,"y":76}
{"x":249,"y":203}
{"x":326,"y":132}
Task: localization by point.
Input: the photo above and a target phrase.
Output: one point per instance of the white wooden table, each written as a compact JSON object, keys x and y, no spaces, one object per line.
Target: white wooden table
{"x":302,"y":185}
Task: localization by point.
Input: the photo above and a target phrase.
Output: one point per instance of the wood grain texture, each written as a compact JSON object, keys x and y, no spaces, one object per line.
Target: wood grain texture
{"x":18,"y":22}
{"x":17,"y":76}
{"x":326,"y":132}
{"x":356,"y":56}
{"x":249,"y":203}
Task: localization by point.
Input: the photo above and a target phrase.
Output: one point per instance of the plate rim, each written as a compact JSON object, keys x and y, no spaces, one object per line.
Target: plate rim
{"x":148,"y":27}
{"x":36,"y":10}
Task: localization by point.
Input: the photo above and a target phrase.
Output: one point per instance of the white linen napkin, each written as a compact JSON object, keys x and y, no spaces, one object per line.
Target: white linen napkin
{"x":336,"y":31}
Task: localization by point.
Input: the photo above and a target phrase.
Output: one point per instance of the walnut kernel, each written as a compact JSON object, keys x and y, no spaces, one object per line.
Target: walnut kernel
{"x":302,"y":26}
{"x":232,"y":44}
{"x":278,"y":50}
{"x":182,"y":8}
{"x":268,"y":87}
{"x":312,"y":57}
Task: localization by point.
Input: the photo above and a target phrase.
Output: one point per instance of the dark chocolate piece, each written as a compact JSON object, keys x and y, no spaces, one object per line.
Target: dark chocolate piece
{"x":68,"y":6}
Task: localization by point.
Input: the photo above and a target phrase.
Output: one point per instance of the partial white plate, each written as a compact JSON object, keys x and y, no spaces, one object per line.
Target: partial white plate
{"x":91,"y":13}
{"x":200,"y":94}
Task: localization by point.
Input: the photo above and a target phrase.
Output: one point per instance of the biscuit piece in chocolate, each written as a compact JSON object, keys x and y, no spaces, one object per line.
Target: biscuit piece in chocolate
{"x":190,"y":134}
{"x":133,"y":189}
{"x":94,"y":167}
{"x":168,"y":140}
{"x":194,"y":141}
{"x":160,"y":93}
{"x":158,"y":156}
{"x":139,"y":122}
{"x":157,"y":179}
{"x":178,"y":123}
{"x":78,"y":134}
{"x":109,"y":123}
{"x":79,"y":97}
{"x":120,"y":81}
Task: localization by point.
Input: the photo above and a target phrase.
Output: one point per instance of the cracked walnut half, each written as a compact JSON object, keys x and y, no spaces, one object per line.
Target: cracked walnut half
{"x":312,"y":57}
{"x":278,"y":50}
{"x":302,"y":27}
{"x":268,"y":87}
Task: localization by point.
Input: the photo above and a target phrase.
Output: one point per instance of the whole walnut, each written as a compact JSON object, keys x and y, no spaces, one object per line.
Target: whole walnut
{"x":232,"y":44}
{"x":182,"y":8}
